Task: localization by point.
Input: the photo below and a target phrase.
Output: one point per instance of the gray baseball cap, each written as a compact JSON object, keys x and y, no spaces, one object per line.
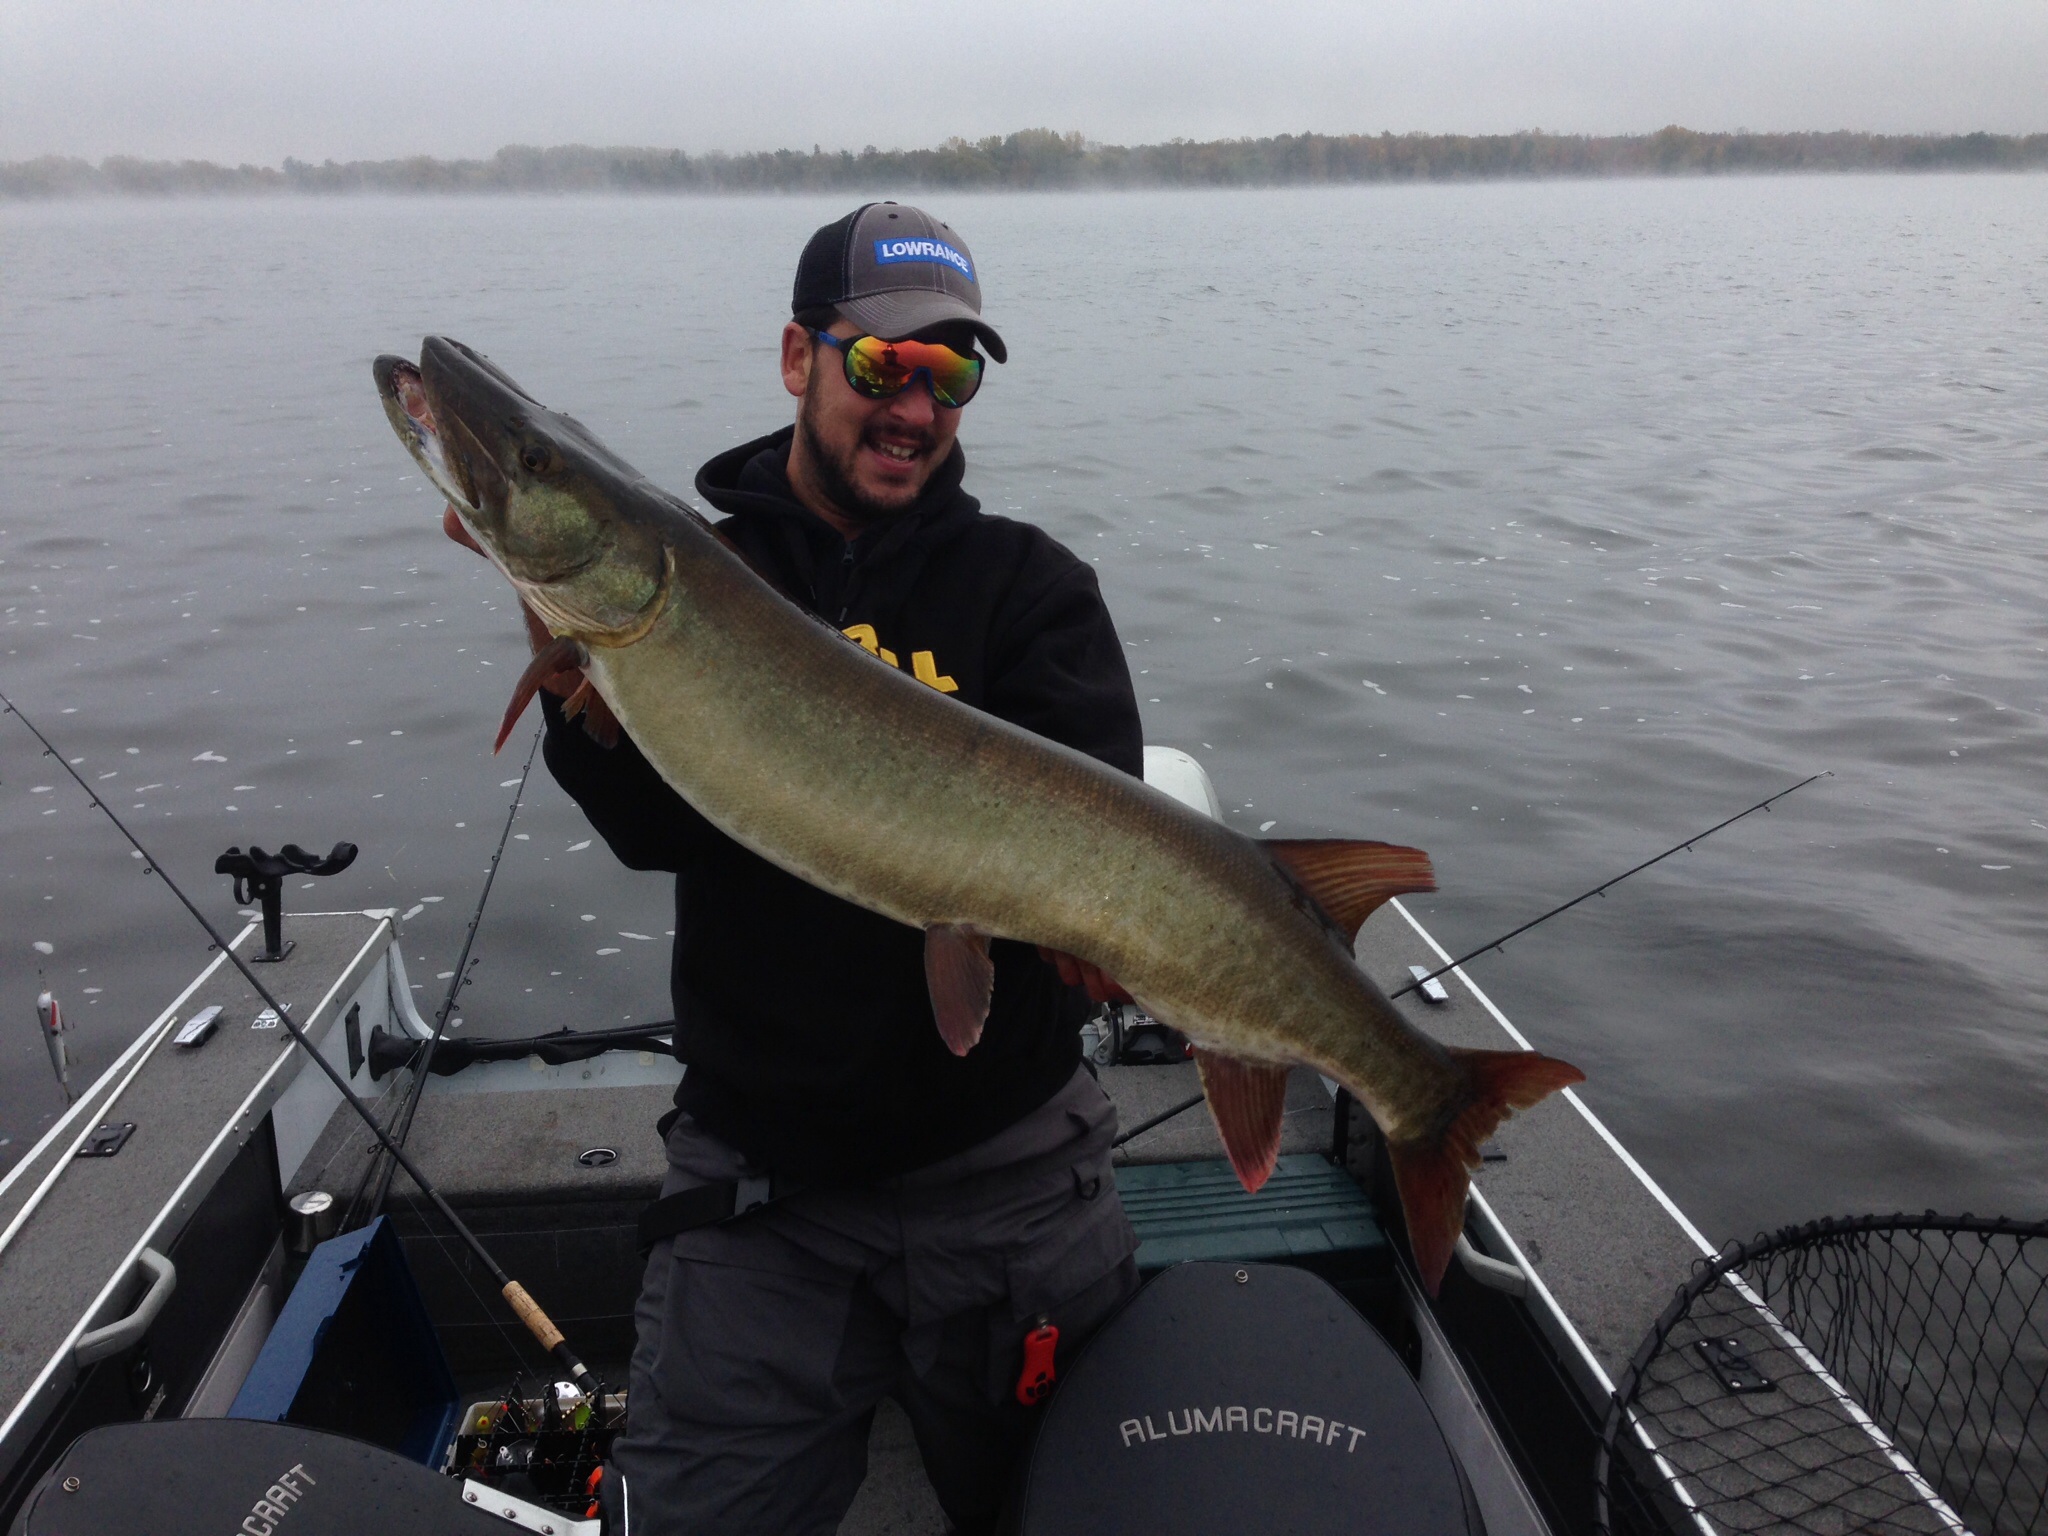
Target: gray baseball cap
{"x":893,"y":270}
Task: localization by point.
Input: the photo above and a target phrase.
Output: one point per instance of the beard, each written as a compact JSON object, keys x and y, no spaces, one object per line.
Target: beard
{"x":835,"y":472}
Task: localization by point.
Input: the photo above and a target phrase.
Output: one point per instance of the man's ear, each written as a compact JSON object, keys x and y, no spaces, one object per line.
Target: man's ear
{"x":797,"y":352}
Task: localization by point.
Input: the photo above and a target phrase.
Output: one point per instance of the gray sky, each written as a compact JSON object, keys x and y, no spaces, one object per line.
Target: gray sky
{"x":258,"y":80}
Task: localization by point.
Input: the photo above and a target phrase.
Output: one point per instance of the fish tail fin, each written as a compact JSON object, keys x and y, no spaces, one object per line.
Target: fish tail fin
{"x":1433,"y":1175}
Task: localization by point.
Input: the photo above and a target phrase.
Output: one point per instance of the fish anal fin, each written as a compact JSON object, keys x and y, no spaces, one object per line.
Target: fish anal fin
{"x":1248,"y":1101}
{"x":551,"y":660}
{"x":1434,"y":1175}
{"x":962,"y":978}
{"x":1349,"y":879}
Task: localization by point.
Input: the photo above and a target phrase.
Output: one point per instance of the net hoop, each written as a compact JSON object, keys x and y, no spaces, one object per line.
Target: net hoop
{"x":1931,"y":1334}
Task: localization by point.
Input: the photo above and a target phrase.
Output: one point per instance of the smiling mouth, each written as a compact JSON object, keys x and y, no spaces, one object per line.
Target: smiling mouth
{"x":898,"y":451}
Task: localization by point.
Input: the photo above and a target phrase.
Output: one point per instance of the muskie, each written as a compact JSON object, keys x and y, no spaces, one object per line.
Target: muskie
{"x":869,"y":784}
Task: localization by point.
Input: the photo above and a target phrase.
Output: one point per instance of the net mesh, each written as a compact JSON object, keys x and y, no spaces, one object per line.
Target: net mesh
{"x":1869,"y":1374}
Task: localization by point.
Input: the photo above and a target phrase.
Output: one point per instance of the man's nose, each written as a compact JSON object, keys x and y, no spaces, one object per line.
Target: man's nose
{"x":913,"y":405}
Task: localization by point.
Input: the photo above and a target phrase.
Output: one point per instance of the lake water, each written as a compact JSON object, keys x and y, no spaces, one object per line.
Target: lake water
{"x":1538,"y":525}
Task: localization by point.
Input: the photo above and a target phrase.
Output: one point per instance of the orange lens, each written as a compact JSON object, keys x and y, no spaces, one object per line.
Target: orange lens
{"x":879,"y":369}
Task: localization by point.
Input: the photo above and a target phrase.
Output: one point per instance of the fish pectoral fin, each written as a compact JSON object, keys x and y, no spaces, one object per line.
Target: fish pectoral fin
{"x":962,"y":978}
{"x":1349,"y":879}
{"x":551,"y":660}
{"x":1247,"y":1100}
{"x":1433,"y":1174}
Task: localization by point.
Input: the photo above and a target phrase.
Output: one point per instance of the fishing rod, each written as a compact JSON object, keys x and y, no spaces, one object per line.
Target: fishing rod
{"x":523,"y":1306}
{"x":382,"y":1169}
{"x":1598,"y":890}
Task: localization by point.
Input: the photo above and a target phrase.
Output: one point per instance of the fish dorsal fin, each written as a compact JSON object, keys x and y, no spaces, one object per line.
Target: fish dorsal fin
{"x":1350,"y":879}
{"x":962,"y":978}
{"x":1247,"y":1099}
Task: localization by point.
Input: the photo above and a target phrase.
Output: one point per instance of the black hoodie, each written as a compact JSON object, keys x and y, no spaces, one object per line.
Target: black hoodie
{"x":803,"y":1020}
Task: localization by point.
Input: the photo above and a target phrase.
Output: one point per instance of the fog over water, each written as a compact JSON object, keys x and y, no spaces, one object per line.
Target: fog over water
{"x":235,"y":80}
{"x":1534,"y":525}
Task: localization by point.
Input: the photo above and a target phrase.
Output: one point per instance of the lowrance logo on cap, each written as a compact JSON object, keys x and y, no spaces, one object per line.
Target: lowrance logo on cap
{"x":889,"y":252}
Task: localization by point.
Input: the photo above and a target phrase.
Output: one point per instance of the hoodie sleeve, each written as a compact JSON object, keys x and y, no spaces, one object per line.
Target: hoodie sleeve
{"x":1057,"y":667}
{"x":646,"y":823}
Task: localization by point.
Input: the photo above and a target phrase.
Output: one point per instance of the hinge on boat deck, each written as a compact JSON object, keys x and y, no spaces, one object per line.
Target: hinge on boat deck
{"x":528,"y":1517}
{"x":1731,"y":1365}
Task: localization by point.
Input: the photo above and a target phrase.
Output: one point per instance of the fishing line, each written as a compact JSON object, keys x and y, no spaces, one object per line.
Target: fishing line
{"x":1603,"y":889}
{"x":382,"y":1169}
{"x":461,"y":1272}
{"x":523,"y":1306}
{"x":1598,"y":890}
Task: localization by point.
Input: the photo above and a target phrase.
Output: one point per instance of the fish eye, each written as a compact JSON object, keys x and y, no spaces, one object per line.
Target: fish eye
{"x":536,"y":458}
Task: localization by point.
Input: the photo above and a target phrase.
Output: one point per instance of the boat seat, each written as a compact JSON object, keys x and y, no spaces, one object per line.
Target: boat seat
{"x":199,"y":1477}
{"x":1232,"y":1397}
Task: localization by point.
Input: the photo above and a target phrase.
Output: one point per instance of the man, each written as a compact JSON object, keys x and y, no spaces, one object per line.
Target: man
{"x":926,"y":1211}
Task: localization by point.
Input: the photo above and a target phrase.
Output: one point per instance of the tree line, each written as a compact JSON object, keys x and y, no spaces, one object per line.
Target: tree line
{"x":1040,"y":158}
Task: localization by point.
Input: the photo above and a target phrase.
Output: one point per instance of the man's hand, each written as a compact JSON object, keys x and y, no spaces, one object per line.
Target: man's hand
{"x":1076,"y":972}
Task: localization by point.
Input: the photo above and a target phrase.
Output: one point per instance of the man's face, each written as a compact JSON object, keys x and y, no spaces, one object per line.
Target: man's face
{"x":869,"y":458}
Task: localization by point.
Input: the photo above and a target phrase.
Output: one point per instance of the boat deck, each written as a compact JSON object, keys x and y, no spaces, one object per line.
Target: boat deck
{"x":72,"y":1228}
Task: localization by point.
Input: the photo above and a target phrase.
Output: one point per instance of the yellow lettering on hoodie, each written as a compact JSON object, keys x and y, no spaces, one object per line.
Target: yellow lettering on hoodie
{"x":865,"y":637}
{"x":926,"y":671}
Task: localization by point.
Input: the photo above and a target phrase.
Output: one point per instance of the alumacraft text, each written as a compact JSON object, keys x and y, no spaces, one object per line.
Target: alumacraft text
{"x":1234,"y":1420}
{"x":277,"y":1500}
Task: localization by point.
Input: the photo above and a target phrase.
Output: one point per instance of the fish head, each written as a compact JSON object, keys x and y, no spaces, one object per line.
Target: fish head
{"x":577,"y":530}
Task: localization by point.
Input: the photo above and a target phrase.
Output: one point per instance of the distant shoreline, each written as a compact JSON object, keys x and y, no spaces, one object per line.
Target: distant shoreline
{"x":1039,"y":159}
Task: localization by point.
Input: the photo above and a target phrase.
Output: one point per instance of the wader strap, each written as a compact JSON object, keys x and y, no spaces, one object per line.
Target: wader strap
{"x":705,"y":1206}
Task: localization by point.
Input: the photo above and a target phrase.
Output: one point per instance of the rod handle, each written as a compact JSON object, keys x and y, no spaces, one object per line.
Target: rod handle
{"x":528,"y":1311}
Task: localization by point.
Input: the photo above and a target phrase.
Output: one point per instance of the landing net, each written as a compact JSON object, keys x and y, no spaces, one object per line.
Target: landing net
{"x":1873,"y":1373}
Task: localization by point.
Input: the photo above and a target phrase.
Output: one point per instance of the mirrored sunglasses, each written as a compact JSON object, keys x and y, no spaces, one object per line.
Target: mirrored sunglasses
{"x":883,"y":369}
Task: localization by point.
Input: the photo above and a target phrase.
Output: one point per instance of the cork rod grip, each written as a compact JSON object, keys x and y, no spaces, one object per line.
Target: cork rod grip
{"x":528,"y":1311}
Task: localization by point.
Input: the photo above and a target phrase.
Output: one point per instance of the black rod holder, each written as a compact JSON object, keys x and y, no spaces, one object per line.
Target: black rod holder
{"x":259,"y":877}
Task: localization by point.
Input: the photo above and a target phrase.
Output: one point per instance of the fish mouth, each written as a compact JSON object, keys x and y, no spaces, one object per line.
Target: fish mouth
{"x":404,"y":392}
